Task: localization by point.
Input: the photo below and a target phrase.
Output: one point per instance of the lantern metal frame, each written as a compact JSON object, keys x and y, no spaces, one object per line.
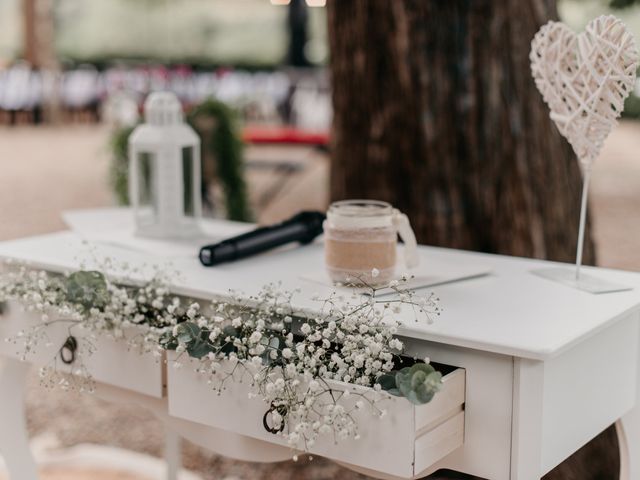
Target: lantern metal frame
{"x":165,"y":171}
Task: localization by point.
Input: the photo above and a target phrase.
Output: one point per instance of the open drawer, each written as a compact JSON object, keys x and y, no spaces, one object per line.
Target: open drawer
{"x":404,"y":443}
{"x":113,"y":361}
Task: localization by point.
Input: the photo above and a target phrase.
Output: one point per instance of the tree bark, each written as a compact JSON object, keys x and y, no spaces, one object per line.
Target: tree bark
{"x":29,"y":36}
{"x":436,"y":112}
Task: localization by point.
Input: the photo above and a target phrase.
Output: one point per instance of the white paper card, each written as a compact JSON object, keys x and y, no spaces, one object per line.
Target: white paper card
{"x":432,"y":272}
{"x":116,"y":227}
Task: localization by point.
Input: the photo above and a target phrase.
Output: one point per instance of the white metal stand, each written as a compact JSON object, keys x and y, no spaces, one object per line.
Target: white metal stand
{"x":583,"y":220}
{"x":575,"y":278}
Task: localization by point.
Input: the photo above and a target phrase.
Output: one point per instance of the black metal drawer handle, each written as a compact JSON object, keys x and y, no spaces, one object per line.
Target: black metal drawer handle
{"x":282,"y":410}
{"x":68,"y":350}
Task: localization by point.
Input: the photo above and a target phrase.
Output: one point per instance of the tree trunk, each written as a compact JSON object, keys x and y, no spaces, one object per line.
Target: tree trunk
{"x":29,"y":35}
{"x":436,"y":112}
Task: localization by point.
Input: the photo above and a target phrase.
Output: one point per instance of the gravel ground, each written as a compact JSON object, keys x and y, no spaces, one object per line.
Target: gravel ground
{"x":46,"y":170}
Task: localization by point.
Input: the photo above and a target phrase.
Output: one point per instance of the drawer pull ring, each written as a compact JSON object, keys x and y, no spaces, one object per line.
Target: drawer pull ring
{"x":282,"y":410}
{"x":68,"y":351}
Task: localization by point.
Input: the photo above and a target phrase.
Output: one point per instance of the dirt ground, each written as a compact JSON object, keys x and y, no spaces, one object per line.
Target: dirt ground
{"x":46,"y":170}
{"x":615,"y":199}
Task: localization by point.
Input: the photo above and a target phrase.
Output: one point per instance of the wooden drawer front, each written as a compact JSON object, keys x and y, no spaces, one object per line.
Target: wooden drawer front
{"x":404,"y":443}
{"x":113,"y":361}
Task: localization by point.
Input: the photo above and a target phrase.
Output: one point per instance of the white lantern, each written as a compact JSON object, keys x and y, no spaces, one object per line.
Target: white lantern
{"x":164,"y":171}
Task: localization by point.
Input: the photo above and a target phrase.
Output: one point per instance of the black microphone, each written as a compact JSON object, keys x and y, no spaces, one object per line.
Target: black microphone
{"x":303,"y":228}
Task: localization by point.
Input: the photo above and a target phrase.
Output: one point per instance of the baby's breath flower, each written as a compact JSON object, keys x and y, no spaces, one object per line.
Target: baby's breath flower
{"x":255,"y":337}
{"x":351,"y":340}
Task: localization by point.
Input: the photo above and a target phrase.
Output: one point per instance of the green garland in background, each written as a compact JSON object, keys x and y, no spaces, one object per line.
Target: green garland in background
{"x":222,"y":148}
{"x":119,"y":171}
{"x":222,"y":145}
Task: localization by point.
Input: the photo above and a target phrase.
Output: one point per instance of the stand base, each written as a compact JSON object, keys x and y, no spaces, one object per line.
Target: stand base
{"x":586,"y":283}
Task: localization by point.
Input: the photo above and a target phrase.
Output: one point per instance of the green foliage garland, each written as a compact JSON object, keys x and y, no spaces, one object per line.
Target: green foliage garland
{"x":119,"y":170}
{"x":225,"y":146}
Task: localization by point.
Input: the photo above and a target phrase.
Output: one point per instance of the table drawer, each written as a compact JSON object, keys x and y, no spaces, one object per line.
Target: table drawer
{"x":113,"y":362}
{"x":404,"y":443}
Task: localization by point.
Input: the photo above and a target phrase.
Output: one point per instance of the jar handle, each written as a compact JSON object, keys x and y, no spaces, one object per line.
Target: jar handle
{"x":401,"y":222}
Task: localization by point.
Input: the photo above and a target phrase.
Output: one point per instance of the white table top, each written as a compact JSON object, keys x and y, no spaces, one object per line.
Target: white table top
{"x":510,"y":311}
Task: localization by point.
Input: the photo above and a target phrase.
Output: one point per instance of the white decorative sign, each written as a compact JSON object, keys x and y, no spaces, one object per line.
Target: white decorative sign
{"x":584,"y":79}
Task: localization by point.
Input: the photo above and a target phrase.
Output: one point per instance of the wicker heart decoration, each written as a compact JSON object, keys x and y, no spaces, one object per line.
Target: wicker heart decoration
{"x":584,"y":79}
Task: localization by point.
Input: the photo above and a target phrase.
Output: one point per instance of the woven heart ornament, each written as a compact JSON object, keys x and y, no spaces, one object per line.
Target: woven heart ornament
{"x":584,"y":79}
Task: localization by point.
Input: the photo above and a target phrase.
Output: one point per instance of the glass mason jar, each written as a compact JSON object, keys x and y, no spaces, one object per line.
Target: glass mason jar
{"x":361,"y":239}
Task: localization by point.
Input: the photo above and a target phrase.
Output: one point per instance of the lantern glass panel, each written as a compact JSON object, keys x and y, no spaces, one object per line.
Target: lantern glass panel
{"x":147,"y":198}
{"x":188,"y":176}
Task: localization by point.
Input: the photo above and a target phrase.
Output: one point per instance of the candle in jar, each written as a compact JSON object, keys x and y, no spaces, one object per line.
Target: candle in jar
{"x":360,"y":242}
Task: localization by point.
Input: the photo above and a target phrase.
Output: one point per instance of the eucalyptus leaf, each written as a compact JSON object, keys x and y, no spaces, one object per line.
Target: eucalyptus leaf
{"x":168,"y":341}
{"x":87,"y":288}
{"x":388,"y":384}
{"x":419,"y":383}
{"x":228,"y":331}
{"x":271,"y":344}
{"x":187,"y":332}
{"x":198,"y":348}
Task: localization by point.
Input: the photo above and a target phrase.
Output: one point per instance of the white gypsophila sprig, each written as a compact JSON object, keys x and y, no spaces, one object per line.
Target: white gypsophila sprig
{"x":317,"y":373}
{"x":136,"y":315}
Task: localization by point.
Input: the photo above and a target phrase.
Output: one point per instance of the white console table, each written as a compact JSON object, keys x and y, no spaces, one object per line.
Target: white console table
{"x":547,"y":367}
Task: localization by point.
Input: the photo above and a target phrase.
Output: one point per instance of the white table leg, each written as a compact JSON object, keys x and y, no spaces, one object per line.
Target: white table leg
{"x":628,"y":428}
{"x":624,"y":452}
{"x":527,"y":414}
{"x":172,"y":453}
{"x":14,"y":440}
